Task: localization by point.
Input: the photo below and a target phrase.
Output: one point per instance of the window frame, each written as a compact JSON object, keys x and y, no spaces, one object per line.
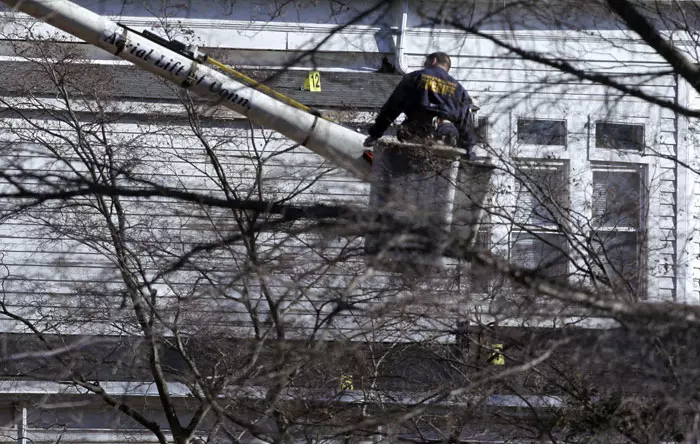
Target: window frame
{"x":483,"y":125}
{"x":553,"y":121}
{"x":643,"y":190}
{"x":526,"y":150}
{"x":620,"y":158}
{"x":640,"y":231}
{"x":619,"y":123}
{"x":613,"y":155}
{"x":523,"y":227}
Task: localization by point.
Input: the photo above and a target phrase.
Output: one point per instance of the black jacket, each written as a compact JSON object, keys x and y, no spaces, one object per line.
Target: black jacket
{"x":425,"y":92}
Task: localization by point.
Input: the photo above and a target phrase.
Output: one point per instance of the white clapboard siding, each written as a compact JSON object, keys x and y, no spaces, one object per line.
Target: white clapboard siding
{"x":54,"y":275}
{"x":178,"y":159}
{"x":50,"y":268}
{"x":512,"y":75}
{"x":78,"y":283}
{"x":662,"y":233}
{"x":86,"y":288}
{"x":693,"y":141}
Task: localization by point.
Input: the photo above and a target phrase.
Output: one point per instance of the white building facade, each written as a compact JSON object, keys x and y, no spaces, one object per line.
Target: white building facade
{"x":594,"y":186}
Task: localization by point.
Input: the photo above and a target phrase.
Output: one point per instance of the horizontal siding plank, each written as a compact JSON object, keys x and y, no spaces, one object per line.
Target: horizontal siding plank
{"x":590,"y":50}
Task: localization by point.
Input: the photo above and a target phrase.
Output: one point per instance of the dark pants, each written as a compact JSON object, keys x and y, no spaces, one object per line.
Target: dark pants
{"x":418,"y":131}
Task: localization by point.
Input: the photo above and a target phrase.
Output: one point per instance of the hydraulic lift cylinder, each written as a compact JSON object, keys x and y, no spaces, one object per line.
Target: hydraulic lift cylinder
{"x":415,"y":185}
{"x":339,"y":145}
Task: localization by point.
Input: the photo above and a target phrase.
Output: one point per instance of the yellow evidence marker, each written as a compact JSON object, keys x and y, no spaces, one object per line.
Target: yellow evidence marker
{"x":313,"y":82}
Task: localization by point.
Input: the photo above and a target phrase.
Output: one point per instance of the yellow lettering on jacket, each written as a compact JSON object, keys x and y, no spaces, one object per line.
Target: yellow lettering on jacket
{"x":437,"y":85}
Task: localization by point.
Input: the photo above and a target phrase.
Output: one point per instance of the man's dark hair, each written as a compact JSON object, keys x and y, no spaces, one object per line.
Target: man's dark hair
{"x":441,"y":58}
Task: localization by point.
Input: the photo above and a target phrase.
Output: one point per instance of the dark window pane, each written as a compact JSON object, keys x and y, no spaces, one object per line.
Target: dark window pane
{"x":622,"y":261}
{"x":542,"y":132}
{"x":617,"y":198}
{"x":542,"y":196}
{"x":544,"y":253}
{"x":619,"y":136}
{"x":482,"y":130}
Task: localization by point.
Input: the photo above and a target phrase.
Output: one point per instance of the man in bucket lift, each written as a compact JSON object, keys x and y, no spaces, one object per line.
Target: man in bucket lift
{"x":436,"y":106}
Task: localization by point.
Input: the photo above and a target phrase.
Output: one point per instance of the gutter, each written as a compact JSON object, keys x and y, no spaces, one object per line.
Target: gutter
{"x":400,"y":41}
{"x":16,"y":388}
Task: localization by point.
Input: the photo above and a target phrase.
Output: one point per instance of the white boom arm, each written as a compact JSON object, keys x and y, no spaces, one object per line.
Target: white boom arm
{"x":338,"y":144}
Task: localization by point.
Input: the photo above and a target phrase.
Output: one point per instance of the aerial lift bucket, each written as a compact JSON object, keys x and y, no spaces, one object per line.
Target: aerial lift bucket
{"x":412,"y":196}
{"x":474,"y":186}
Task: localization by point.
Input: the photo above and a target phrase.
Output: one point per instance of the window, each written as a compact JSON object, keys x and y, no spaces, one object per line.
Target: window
{"x":482,"y":130}
{"x":541,"y":211}
{"x":545,"y":253}
{"x":542,"y":193}
{"x":542,"y":132}
{"x":619,"y":136}
{"x":619,"y":205}
{"x":617,"y":198}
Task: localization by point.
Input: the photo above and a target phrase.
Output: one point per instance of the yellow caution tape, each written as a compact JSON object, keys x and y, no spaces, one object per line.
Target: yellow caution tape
{"x":264,"y":88}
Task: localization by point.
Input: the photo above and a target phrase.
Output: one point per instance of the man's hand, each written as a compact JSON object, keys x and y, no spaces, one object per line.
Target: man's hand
{"x":370,"y":141}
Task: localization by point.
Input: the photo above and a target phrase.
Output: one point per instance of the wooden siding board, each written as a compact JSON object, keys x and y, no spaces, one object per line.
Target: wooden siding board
{"x":515,"y":70}
{"x":52,"y":304}
{"x":364,"y":90}
{"x":693,"y":141}
{"x":557,"y":44}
